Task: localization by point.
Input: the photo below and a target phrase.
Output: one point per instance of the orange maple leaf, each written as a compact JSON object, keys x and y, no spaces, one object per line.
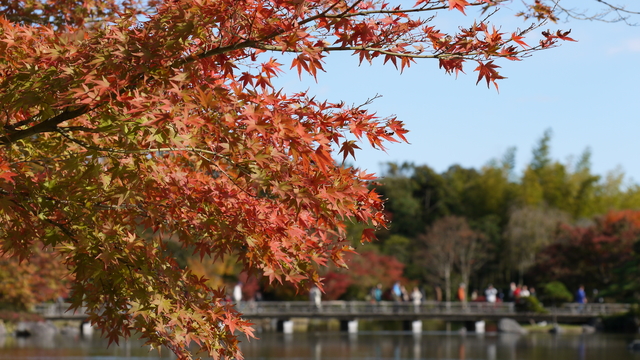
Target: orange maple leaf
{"x":458,"y":4}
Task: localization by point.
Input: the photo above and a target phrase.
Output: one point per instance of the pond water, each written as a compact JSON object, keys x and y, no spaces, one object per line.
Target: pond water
{"x":361,"y":346}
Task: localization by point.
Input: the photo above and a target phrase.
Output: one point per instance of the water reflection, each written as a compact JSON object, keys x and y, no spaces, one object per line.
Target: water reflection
{"x":339,"y":346}
{"x":60,"y":346}
{"x":491,"y":352}
{"x":441,"y":346}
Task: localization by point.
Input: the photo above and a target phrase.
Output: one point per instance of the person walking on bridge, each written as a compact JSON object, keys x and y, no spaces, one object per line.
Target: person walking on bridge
{"x":416,"y":298}
{"x":462,"y":295}
{"x":581,"y":298}
{"x":491,"y":294}
{"x":315,"y":297}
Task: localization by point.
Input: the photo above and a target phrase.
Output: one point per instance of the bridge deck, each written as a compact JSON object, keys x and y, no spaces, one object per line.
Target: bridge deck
{"x":386,"y":310}
{"x":451,"y":311}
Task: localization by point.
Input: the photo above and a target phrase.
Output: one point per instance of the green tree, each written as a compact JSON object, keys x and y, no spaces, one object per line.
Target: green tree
{"x":542,"y":153}
{"x":406,"y":210}
{"x":570,"y":188}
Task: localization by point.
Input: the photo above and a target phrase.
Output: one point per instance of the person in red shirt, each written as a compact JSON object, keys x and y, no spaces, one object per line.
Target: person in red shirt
{"x":517,"y":291}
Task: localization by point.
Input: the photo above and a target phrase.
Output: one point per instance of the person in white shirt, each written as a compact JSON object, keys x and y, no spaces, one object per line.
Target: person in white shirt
{"x":491,"y":294}
{"x":237,"y":292}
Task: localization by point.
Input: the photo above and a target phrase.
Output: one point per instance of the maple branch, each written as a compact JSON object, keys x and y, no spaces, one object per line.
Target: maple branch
{"x":621,"y":12}
{"x":257,"y":42}
{"x":369,"y":101}
{"x":48,"y":125}
{"x":21,"y":19}
{"x":362,"y":48}
{"x":424,"y":8}
{"x":326,"y":11}
{"x":196,"y":151}
{"x":33,"y":212}
{"x":80,"y":128}
{"x":352,"y":7}
{"x":227,"y":175}
{"x":62,"y":131}
{"x":618,"y":8}
{"x":66,"y":231}
{"x":63,"y":229}
{"x":392,"y":11}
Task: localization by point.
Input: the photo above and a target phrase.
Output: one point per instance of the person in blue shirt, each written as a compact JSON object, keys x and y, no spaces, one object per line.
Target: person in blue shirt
{"x":377,"y":293}
{"x":581,"y":297}
{"x":396,"y":292}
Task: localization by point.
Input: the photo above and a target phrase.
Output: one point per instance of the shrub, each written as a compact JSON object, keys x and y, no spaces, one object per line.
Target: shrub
{"x":555,"y":291}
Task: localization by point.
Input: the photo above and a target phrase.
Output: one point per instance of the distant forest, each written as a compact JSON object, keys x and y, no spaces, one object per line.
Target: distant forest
{"x":553,"y":222}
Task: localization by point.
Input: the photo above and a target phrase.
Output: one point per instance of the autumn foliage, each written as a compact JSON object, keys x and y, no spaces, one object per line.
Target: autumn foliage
{"x":365,"y":270}
{"x":126,"y":123}
{"x":23,"y":285}
{"x":595,"y":256}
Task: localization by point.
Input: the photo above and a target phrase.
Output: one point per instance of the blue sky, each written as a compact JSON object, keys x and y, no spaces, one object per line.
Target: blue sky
{"x":587,"y":92}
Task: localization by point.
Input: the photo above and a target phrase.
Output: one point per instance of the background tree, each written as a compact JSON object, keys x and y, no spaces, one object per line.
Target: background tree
{"x":486,"y":199}
{"x":471,"y":250}
{"x":529,"y":230}
{"x":598,"y":256}
{"x":439,"y":247}
{"x":405,"y":210}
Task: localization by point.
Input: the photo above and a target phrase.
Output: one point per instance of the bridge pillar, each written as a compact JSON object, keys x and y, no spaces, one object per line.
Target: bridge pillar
{"x":351,"y":326}
{"x":477,"y":326}
{"x":416,"y":326}
{"x":86,"y":329}
{"x":285,"y":326}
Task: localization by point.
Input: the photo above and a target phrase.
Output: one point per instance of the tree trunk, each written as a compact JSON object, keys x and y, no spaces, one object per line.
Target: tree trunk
{"x":447,"y":285}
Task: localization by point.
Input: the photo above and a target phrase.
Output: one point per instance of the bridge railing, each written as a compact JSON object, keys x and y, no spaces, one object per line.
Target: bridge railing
{"x":58,"y":310}
{"x":595,"y":308}
{"x":361,"y":308}
{"x":365,"y":308}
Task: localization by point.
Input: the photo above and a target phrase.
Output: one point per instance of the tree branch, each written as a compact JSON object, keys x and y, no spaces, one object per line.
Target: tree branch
{"x":71,"y":112}
{"x":49,"y":125}
{"x":621,"y":13}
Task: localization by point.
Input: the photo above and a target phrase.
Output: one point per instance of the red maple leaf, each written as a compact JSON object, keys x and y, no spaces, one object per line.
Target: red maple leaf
{"x":489,"y":72}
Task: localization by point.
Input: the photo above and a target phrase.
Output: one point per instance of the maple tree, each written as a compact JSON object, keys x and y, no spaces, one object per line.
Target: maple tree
{"x":595,"y":256}
{"x":129,"y":123}
{"x":366,"y":270}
